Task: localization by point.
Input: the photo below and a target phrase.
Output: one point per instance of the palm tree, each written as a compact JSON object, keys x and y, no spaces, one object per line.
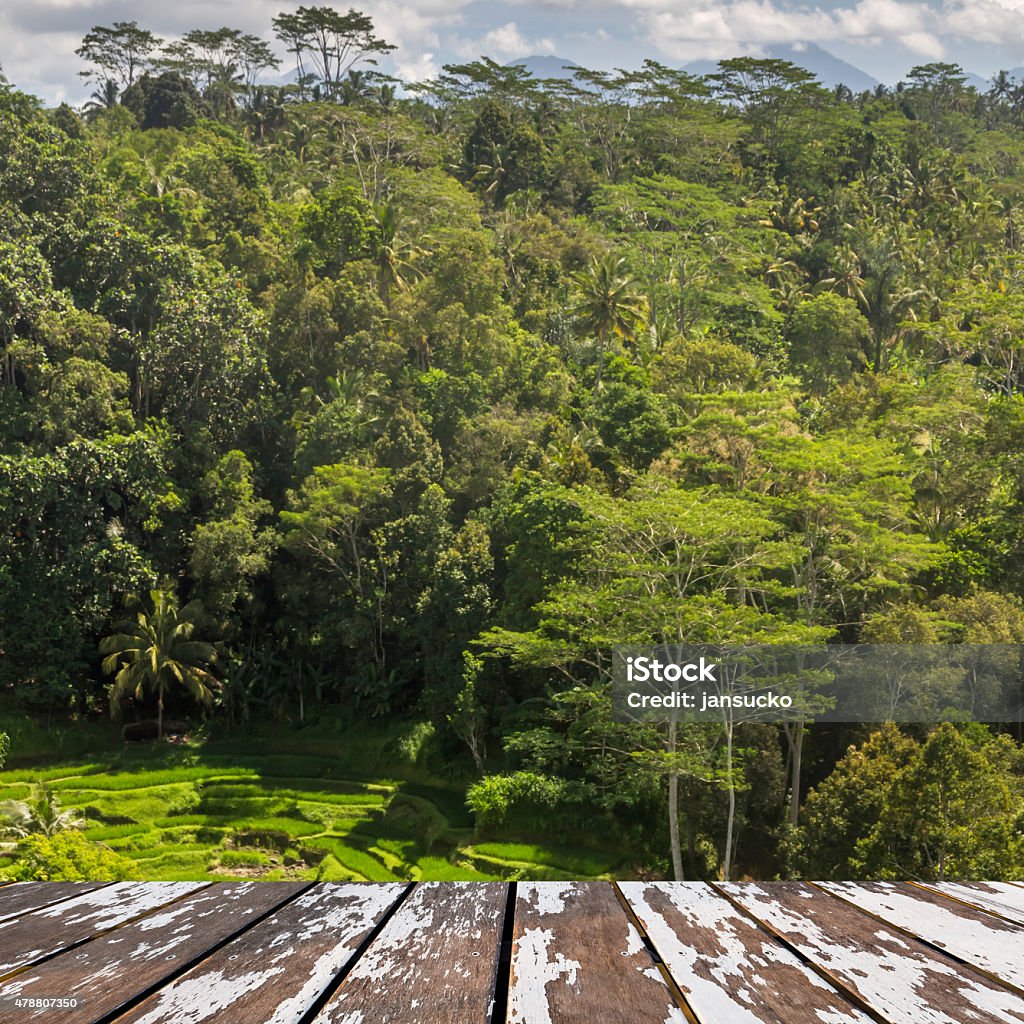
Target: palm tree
{"x":610,"y":303}
{"x":395,"y":255}
{"x":155,"y":651}
{"x":1002,"y":86}
{"x":103,"y":98}
{"x":39,"y":815}
{"x":354,"y":87}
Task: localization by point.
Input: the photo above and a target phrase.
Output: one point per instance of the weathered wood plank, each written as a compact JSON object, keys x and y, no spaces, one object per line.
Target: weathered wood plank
{"x":729,"y":970}
{"x":994,"y":946}
{"x":576,"y":956}
{"x":24,"y":897}
{"x":901,"y":979}
{"x":998,"y":898}
{"x":435,"y":961}
{"x":274,"y":972}
{"x":112,"y":971}
{"x":31,"y":938}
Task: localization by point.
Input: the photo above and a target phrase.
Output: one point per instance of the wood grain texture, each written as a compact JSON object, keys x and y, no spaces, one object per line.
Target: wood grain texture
{"x":996,"y":897}
{"x":729,"y":970}
{"x":973,"y":936}
{"x":577,"y":957}
{"x":22,"y":897}
{"x":902,"y":980}
{"x":435,"y":961}
{"x":38,"y":935}
{"x":114,"y":970}
{"x":275,"y":971}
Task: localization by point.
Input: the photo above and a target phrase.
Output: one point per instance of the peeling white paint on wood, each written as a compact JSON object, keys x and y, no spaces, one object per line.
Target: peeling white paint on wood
{"x":112,"y":969}
{"x":546,"y":897}
{"x":426,"y":952}
{"x":585,"y":961}
{"x":993,"y":945}
{"x":536,"y":966}
{"x":25,"y":897}
{"x":729,"y":970}
{"x":299,"y":951}
{"x":197,"y":999}
{"x":999,"y":897}
{"x":47,"y":931}
{"x":578,"y":954}
{"x":903,"y":982}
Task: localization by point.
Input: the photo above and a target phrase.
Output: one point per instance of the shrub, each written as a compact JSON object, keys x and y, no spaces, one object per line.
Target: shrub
{"x":523,"y":799}
{"x":70,"y":857}
{"x":243,"y":859}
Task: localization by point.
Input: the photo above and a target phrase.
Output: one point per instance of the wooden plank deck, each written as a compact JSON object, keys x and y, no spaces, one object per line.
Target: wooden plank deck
{"x":497,"y":953}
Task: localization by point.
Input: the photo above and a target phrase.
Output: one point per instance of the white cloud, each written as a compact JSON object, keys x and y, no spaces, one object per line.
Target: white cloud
{"x":421,"y":69}
{"x":503,"y":42}
{"x":995,"y":22}
{"x":717,"y":29}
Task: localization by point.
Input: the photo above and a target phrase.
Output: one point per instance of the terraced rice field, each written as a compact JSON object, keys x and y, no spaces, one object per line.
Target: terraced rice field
{"x":285,"y":817}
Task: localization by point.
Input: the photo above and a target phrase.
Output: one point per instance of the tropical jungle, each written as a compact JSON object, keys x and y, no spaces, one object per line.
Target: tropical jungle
{"x":348,"y":424}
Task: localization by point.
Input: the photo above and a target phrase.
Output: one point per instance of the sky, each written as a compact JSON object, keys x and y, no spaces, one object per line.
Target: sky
{"x":885,"y":38}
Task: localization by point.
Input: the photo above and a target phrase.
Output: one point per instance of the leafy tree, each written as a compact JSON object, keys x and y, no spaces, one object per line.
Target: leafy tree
{"x":332,"y":528}
{"x":76,"y":526}
{"x":167,"y":100}
{"x":843,"y":808}
{"x":331,"y":43}
{"x":665,"y":565}
{"x":231,"y":547}
{"x":155,"y":651}
{"x":954,"y":812}
{"x":219,"y":61}
{"x":119,"y":52}
{"x":340,"y":226}
{"x":395,"y":254}
{"x":827,"y":336}
{"x":946,"y":808}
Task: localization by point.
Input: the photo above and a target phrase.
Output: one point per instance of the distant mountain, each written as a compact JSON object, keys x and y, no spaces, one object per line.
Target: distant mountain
{"x":984,"y":84}
{"x":829,"y":69}
{"x":546,"y":66}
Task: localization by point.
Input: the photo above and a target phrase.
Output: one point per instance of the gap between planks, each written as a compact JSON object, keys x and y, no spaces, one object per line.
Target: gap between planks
{"x":826,"y":975}
{"x":933,"y":946}
{"x":131,"y":919}
{"x":675,"y":991}
{"x":329,"y":991}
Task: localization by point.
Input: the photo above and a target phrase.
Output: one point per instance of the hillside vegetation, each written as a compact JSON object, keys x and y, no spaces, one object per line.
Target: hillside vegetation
{"x":336,"y":401}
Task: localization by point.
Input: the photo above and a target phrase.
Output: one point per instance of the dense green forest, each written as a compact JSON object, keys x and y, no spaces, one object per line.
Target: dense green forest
{"x":344,"y":401}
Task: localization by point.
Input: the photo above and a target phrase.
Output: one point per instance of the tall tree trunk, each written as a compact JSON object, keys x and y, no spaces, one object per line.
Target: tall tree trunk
{"x":796,"y":739}
{"x":160,"y":714}
{"x":731,"y":822}
{"x":673,"y":807}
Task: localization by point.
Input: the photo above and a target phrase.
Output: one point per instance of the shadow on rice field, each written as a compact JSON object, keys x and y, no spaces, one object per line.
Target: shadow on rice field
{"x":351,"y":806}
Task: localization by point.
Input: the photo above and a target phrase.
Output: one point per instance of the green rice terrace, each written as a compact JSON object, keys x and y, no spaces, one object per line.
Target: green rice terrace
{"x":287,"y":807}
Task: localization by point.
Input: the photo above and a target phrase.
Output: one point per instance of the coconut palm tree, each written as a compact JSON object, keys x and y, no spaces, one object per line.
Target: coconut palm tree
{"x":155,"y":651}
{"x":610,"y":304}
{"x":103,"y":98}
{"x":395,"y":254}
{"x":41,"y":814}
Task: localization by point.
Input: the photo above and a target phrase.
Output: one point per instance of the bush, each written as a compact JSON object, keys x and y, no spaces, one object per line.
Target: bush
{"x":70,"y":857}
{"x":243,"y":859}
{"x":523,"y":799}
{"x":415,"y":816}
